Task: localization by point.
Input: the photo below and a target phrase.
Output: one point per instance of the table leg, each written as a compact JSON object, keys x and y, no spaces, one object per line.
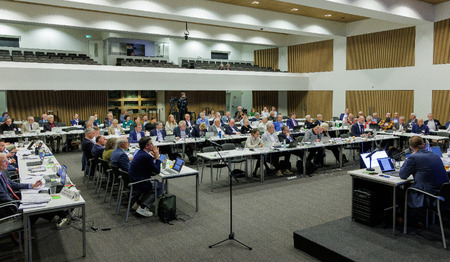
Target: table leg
{"x":305,"y":152}
{"x":183,"y":146}
{"x":26,"y":238}
{"x":341,"y":149}
{"x":83,"y":208}
{"x":212,"y":180}
{"x":196,"y":193}
{"x":167,"y":185}
{"x":394,"y":207}
{"x":261,"y":167}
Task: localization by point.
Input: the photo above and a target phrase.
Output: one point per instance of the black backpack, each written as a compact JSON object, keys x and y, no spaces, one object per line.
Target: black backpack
{"x":167,"y":208}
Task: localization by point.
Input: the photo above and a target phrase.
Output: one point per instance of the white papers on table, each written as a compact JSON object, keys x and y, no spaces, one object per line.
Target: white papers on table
{"x":28,"y":199}
{"x":23,"y":152}
{"x":23,"y":206}
{"x":31,"y":179}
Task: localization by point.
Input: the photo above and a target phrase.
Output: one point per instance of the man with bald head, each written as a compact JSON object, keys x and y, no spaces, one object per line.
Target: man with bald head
{"x":420,"y":128}
{"x":232,"y":129}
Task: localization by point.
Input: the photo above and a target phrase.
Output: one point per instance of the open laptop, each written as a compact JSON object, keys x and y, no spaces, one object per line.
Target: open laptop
{"x":57,"y":129}
{"x":379,"y":154}
{"x":296,"y":128}
{"x":436,"y":150}
{"x":387,"y":167}
{"x":209,"y":134}
{"x":169,"y":138}
{"x":176,"y":169}
{"x":326,"y":139}
{"x":9,"y":133}
{"x":293,"y":144}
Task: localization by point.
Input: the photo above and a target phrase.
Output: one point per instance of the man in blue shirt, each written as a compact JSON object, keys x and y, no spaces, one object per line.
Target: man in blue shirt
{"x":118,"y":157}
{"x":279,"y":123}
{"x":145,"y":164}
{"x":159,"y":132}
{"x":137,"y":133}
{"x":420,"y":128}
{"x":202,"y":119}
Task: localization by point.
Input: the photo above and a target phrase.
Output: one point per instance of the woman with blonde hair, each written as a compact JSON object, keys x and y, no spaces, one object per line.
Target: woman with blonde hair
{"x":171,"y":124}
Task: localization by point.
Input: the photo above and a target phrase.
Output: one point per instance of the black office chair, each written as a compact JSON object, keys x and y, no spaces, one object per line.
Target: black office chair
{"x":237,"y":160}
{"x":442,"y":200}
{"x":12,"y":223}
{"x":219,"y":165}
{"x":103,"y":174}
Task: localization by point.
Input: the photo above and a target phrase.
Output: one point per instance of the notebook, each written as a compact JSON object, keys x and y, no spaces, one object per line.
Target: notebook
{"x":387,"y":167}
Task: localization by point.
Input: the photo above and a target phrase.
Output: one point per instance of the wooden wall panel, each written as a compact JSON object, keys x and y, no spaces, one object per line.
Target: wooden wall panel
{"x":198,"y":100}
{"x":393,"y":48}
{"x":380,"y":101}
{"x":440,"y":105}
{"x":304,"y":103}
{"x":441,"y":54}
{"x":311,"y":57}
{"x":64,"y":104}
{"x":260,"y":99}
{"x":266,"y":58}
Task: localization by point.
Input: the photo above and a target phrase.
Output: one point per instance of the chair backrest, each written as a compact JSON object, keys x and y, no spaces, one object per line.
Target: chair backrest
{"x":125,"y":177}
{"x":104,"y":164}
{"x":445,"y":192}
{"x":228,"y":146}
{"x":208,"y":149}
{"x":243,"y":143}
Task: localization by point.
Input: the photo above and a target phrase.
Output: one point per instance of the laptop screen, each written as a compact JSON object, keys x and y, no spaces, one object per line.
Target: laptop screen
{"x":178,"y":164}
{"x":62,"y":173}
{"x":379,"y":154}
{"x":436,"y":150}
{"x":386,"y":164}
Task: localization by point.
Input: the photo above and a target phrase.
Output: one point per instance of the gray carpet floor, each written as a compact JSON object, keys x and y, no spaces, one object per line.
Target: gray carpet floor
{"x":265,"y":215}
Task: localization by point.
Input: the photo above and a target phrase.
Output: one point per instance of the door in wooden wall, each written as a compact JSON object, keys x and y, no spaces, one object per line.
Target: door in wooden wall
{"x":440,"y":105}
{"x":380,"y":101}
{"x":304,"y":103}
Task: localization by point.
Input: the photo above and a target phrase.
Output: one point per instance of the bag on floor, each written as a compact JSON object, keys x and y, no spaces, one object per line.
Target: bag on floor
{"x":167,"y":208}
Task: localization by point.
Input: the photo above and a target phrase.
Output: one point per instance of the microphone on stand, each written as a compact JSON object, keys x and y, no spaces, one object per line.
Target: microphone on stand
{"x":214,"y":144}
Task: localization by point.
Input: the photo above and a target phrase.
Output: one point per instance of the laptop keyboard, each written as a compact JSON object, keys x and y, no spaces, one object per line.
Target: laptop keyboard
{"x":169,"y":172}
{"x":392,"y":173}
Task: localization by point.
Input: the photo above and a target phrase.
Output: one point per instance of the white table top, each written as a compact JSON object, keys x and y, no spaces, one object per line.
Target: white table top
{"x":185,"y":171}
{"x":391,"y":180}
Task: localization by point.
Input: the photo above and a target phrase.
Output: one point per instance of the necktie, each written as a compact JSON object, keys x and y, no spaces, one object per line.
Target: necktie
{"x":31,"y":127}
{"x":361,"y":127}
{"x":10,"y":189}
{"x":295,"y":122}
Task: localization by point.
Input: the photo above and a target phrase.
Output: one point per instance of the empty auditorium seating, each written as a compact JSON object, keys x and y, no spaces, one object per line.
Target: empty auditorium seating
{"x":46,"y":57}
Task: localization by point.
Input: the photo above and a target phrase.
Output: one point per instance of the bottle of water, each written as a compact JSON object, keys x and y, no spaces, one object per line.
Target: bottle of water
{"x":284,"y":144}
{"x":427,"y":145}
{"x":220,"y":134}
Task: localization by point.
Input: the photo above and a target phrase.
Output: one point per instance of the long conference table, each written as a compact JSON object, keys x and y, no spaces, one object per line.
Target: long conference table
{"x":58,"y":202}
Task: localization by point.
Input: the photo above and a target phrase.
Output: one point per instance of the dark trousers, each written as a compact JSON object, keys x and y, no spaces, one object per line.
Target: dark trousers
{"x":51,"y":140}
{"x":148,"y":198}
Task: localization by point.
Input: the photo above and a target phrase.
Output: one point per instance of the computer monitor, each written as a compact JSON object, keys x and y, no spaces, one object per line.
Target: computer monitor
{"x":379,"y":154}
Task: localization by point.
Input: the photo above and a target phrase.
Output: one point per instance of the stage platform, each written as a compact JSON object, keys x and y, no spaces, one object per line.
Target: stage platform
{"x":346,"y":240}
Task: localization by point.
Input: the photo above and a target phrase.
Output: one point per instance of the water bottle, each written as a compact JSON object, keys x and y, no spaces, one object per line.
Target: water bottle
{"x":220,"y":134}
{"x":427,"y":145}
{"x":284,"y":144}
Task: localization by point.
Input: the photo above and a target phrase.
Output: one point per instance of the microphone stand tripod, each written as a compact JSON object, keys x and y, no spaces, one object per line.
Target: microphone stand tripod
{"x":231,"y":235}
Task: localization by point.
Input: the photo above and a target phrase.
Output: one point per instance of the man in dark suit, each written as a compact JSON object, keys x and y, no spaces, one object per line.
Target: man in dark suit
{"x":8,"y":125}
{"x":412,"y":119}
{"x":181,"y":131}
{"x":99,"y":147}
{"x":86,"y":147}
{"x":291,"y":122}
{"x":137,"y":133}
{"x":357,"y":130}
{"x":319,"y":120}
{"x":189,"y":123}
{"x":108,"y":121}
{"x":118,"y":157}
{"x":428,"y":172}
{"x":145,"y":164}
{"x":48,"y":126}
{"x":231,"y":128}
{"x":238,"y":112}
{"x":216,"y":127}
{"x":285,"y":136}
{"x":75,"y":121}
{"x":420,"y":128}
{"x":433,"y":124}
{"x":345,"y":114}
{"x":159,"y":132}
{"x":401,"y":125}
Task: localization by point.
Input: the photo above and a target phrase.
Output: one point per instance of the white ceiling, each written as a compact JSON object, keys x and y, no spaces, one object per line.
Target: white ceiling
{"x":218,"y":21}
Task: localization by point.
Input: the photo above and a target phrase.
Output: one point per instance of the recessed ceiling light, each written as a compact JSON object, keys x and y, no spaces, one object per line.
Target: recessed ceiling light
{"x":255,"y":2}
{"x":294,"y":9}
{"x":327,"y":15}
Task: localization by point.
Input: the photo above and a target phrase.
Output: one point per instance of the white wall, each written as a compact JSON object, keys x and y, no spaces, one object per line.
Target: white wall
{"x":3,"y":106}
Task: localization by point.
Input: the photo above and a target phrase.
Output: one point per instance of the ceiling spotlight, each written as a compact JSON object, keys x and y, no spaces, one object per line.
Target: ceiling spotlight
{"x":255,"y":2}
{"x":186,"y":33}
{"x":328,"y":15}
{"x":294,"y":9}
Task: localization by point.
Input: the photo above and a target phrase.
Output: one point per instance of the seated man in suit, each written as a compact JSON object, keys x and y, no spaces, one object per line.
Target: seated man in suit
{"x":231,"y":128}
{"x":291,"y":122}
{"x":216,"y":127}
{"x":150,"y":125}
{"x":265,"y":112}
{"x":145,"y":164}
{"x":357,"y":130}
{"x":8,"y":125}
{"x":312,"y":136}
{"x":238,"y":112}
{"x":108,"y":121}
{"x":319,"y":120}
{"x":433,"y":124}
{"x":420,"y":128}
{"x":428,"y":172}
{"x":200,"y":131}
{"x":43,"y":120}
{"x":86,"y":147}
{"x":308,"y":122}
{"x":99,"y":147}
{"x":345,"y":114}
{"x":115,"y":129}
{"x":255,"y":117}
{"x":401,"y":124}
{"x":189,"y":123}
{"x":246,"y":128}
{"x":279,"y":123}
{"x":202,"y":119}
{"x":159,"y":132}
{"x":48,"y":126}
{"x":270,"y":136}
{"x":119,"y":157}
{"x":375,"y":118}
{"x":30,"y":125}
{"x":75,"y":121}
{"x":136,"y":134}
{"x":412,"y":120}
{"x":144,"y":120}
{"x":285,"y":136}
{"x":10,"y":156}
{"x":181,"y":132}
{"x":395,"y":118}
